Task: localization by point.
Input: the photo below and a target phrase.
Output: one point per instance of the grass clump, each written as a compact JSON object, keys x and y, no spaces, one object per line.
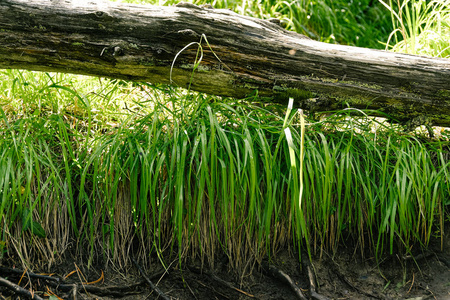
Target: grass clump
{"x":105,"y":168}
{"x":201,"y":178}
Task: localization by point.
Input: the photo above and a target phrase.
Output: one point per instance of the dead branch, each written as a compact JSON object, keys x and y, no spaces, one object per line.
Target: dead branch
{"x":241,"y":55}
{"x":18,"y":289}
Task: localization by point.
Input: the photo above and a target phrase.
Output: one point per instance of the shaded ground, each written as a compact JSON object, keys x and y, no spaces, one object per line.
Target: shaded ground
{"x":344,"y":277}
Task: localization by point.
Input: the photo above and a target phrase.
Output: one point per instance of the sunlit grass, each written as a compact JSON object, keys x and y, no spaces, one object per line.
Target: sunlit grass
{"x":420,"y":27}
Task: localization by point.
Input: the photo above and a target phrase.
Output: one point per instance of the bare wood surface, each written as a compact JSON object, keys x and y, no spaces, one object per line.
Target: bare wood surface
{"x":140,"y":43}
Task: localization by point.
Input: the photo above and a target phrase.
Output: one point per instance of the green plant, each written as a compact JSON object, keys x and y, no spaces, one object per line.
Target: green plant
{"x":115,"y":167}
{"x":423,"y":26}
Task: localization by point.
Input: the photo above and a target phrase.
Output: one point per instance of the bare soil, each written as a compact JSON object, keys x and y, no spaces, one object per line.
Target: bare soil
{"x":344,"y":276}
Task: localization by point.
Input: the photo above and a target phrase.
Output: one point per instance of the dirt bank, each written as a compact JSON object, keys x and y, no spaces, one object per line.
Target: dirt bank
{"x":344,"y":276}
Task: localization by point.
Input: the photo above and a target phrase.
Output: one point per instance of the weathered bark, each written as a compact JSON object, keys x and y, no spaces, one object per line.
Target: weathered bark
{"x":140,"y":43}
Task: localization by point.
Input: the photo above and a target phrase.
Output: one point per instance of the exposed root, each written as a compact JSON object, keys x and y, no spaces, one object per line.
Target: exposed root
{"x":275,"y":272}
{"x":154,"y":287}
{"x":19,"y":290}
{"x":221,"y":281}
{"x":4,"y":270}
{"x":439,"y":256}
{"x":417,"y":257}
{"x":111,"y":291}
{"x":72,"y":288}
{"x":338,"y":273}
{"x":443,"y":260}
{"x":312,"y":278}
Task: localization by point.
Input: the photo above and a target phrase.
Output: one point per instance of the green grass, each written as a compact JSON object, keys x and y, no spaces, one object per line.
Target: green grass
{"x":420,"y":27}
{"x":203,"y":177}
{"x":105,"y":168}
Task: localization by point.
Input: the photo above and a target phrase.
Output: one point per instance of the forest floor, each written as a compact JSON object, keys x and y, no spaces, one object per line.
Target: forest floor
{"x":344,"y":276}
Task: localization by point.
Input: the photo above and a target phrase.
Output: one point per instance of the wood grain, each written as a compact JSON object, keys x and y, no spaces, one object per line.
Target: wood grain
{"x":140,"y":43}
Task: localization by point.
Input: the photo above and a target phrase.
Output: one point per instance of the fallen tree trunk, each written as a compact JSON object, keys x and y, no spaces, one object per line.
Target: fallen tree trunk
{"x":141,"y":43}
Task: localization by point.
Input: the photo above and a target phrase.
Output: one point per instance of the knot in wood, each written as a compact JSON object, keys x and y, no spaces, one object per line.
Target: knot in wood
{"x":188,"y":32}
{"x":207,"y":6}
{"x":275,"y":21}
{"x":187,"y":5}
{"x":117,"y":51}
{"x":104,"y":16}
